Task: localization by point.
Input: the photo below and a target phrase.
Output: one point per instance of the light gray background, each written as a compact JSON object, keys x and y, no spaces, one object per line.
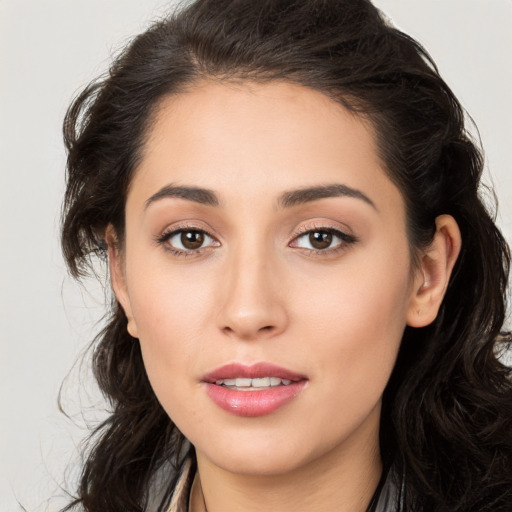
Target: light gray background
{"x":49,"y":49}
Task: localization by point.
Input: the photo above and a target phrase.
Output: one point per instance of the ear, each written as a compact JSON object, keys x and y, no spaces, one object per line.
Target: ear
{"x":432,"y":277}
{"x":118,"y":279}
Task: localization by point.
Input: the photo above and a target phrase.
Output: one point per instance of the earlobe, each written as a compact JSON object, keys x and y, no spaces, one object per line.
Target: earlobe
{"x":117,"y":278}
{"x":433,"y":274}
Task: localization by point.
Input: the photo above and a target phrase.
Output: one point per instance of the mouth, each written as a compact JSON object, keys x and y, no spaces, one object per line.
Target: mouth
{"x":254,"y":390}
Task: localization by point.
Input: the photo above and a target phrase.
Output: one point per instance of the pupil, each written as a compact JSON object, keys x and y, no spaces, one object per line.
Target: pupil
{"x":192,"y":239}
{"x":320,"y":239}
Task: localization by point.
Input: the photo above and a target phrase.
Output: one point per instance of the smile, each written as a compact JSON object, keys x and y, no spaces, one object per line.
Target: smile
{"x":255,"y":390}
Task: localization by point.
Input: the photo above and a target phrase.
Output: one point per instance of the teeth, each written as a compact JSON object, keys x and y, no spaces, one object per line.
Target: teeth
{"x":262,"y":382}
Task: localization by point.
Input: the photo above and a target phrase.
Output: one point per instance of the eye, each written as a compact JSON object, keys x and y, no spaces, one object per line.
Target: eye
{"x":187,"y":240}
{"x":323,"y":240}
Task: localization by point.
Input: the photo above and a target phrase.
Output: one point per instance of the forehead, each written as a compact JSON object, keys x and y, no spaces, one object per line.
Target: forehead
{"x":261,"y":138}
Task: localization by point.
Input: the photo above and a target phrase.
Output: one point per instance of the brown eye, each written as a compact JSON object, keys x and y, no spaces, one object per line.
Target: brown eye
{"x":323,"y":240}
{"x":192,"y":239}
{"x":184,"y":241}
{"x":320,"y":239}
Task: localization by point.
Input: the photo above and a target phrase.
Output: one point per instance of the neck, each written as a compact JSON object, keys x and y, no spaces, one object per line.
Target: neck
{"x":343,"y":480}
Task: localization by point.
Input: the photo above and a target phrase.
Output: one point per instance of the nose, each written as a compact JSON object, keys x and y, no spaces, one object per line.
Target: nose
{"x":252,"y":303}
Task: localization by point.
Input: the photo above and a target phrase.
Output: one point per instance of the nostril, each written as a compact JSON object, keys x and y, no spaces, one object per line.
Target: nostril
{"x":249,"y":333}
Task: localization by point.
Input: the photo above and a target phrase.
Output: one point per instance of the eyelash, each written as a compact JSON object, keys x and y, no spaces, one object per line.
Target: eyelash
{"x":346,"y":240}
{"x":164,"y":238}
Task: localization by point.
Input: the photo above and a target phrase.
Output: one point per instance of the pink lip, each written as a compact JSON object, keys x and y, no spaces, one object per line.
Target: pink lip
{"x":233,"y":370}
{"x":253,"y":403}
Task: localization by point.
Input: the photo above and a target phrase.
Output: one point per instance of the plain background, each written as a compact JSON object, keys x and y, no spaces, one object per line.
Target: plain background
{"x":49,"y":49}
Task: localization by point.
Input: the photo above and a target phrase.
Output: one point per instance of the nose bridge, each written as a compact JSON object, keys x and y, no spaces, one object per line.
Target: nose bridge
{"x":252,"y":305}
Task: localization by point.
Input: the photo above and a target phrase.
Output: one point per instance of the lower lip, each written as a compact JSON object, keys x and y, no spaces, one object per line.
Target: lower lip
{"x":253,"y":403}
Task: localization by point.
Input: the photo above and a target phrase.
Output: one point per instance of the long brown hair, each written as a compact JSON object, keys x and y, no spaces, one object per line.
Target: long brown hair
{"x":446,"y":421}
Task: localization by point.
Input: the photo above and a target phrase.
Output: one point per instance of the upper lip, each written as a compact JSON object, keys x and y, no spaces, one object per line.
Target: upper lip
{"x":253,"y":371}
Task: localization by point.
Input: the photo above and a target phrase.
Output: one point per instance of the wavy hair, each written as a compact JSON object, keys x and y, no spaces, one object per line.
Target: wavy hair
{"x":447,"y":409}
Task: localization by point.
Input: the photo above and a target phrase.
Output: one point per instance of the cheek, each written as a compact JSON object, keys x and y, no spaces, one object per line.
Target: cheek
{"x":356,"y":325}
{"x":173,"y":313}
{"x":170,"y":324}
{"x":166,"y":297}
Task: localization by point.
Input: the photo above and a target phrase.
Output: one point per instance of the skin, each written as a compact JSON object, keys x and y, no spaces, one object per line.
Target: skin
{"x":256,"y":291}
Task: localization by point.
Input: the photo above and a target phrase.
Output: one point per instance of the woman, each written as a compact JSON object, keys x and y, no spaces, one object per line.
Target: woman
{"x":309,"y":291}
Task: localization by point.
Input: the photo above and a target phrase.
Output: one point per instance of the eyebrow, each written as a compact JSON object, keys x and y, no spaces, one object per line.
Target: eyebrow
{"x":196,"y":194}
{"x":306,"y":195}
{"x":286,"y":200}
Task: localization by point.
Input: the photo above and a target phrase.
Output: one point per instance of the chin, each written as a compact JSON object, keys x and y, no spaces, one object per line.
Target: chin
{"x":250,"y":464}
{"x":262,"y":455}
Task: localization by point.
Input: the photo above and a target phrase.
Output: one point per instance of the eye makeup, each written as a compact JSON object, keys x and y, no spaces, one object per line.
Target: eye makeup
{"x":186,"y":234}
{"x":191,"y":240}
{"x":323,"y":240}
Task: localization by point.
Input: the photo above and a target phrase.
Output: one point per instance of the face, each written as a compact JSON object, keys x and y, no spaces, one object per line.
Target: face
{"x":264,"y":241}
